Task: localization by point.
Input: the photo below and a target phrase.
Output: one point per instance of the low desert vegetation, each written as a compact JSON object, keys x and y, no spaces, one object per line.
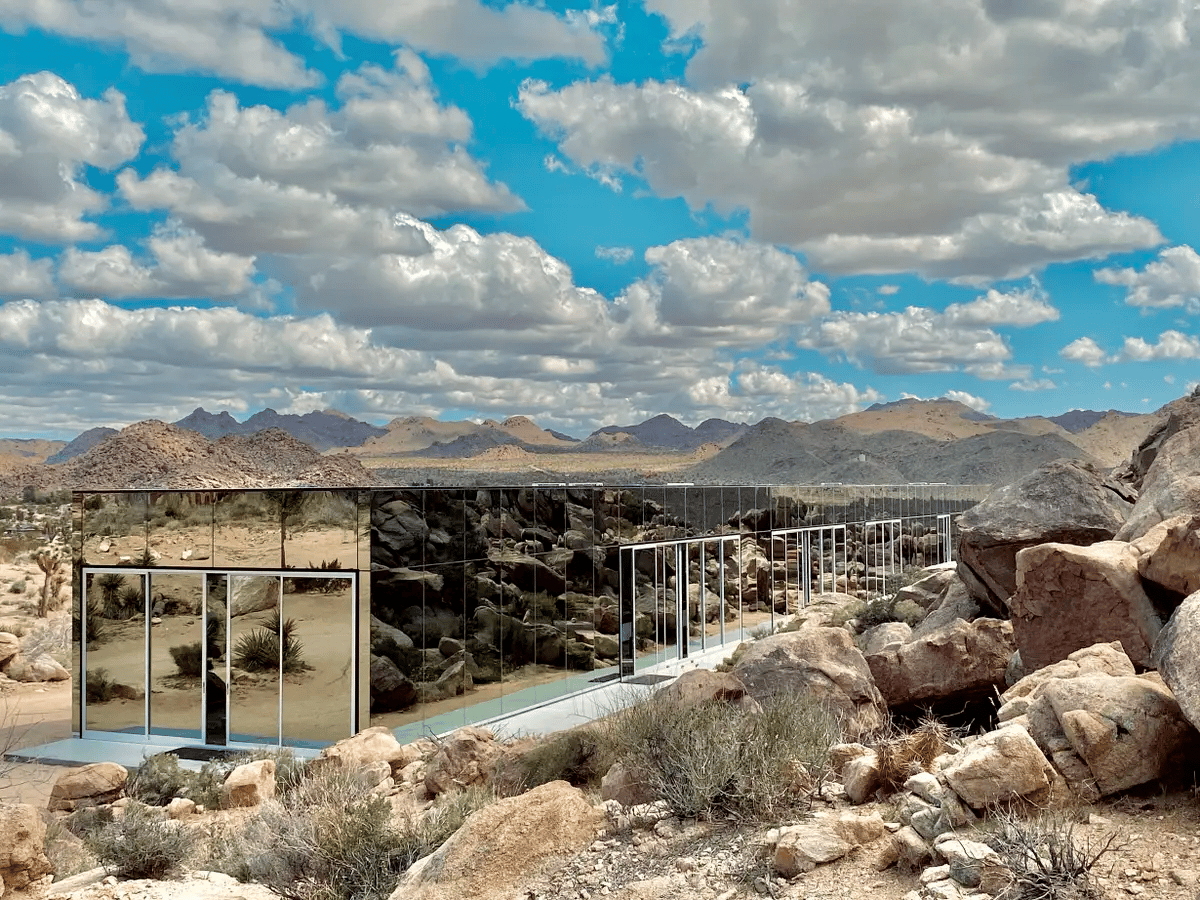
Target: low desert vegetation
{"x":142,"y":843}
{"x":1048,"y":857}
{"x":713,"y":760}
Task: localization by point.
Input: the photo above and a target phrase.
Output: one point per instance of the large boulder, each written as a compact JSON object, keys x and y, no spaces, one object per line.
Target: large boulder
{"x":467,"y":757}
{"x":1127,"y":730}
{"x":999,"y":766}
{"x":961,"y":659}
{"x":250,"y":784}
{"x":372,"y":745}
{"x":89,"y":785}
{"x":42,"y":667}
{"x":1071,"y":597}
{"x":700,"y":686}
{"x":1098,"y":659}
{"x":1177,"y":656}
{"x":1065,"y":502}
{"x":817,"y":662}
{"x":22,"y":847}
{"x":1169,"y":555}
{"x":500,"y":847}
{"x":1171,"y":487}
{"x":10,"y":646}
{"x":822,"y":839}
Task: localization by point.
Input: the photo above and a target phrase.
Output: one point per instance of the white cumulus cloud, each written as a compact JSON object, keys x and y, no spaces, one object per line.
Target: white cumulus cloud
{"x":23,"y":276}
{"x":1086,"y":351}
{"x":1171,"y":280}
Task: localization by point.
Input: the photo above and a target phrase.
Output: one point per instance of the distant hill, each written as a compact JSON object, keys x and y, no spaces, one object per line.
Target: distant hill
{"x":778,"y":451}
{"x":671,"y":434}
{"x":1078,"y":420}
{"x":81,"y":444}
{"x":323,"y":429}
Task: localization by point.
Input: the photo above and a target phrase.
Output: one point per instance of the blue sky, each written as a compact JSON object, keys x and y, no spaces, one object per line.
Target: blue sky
{"x":594,"y":214}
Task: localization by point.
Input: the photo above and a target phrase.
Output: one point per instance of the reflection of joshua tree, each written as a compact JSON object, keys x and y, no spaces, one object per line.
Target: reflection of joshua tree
{"x":284,"y":504}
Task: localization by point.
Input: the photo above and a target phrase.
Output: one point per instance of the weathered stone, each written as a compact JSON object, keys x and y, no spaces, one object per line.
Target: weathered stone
{"x":369,"y":746}
{"x":1064,"y":502}
{"x":1171,"y":486}
{"x":41,"y":668}
{"x":449,"y":646}
{"x":181,"y":808}
{"x":1128,"y":729}
{"x":249,"y":784}
{"x":465,"y":758}
{"x":912,"y":851}
{"x":529,"y":573}
{"x":1071,"y":597}
{"x":862,"y":777}
{"x":455,"y":680}
{"x":1169,"y":555}
{"x":497,"y":847}
{"x":883,"y":636}
{"x":700,"y":686}
{"x":627,"y":785}
{"x":966,"y":858}
{"x":391,"y":689}
{"x":381,"y":630}
{"x":1002,"y":765}
{"x":824,"y":838}
{"x":88,"y":785}
{"x":956,"y":603}
{"x":606,"y":646}
{"x":929,"y":590}
{"x":10,"y":646}
{"x":22,"y":847}
{"x":1177,"y":657}
{"x":958,"y":660}
{"x":1098,"y":659}
{"x":822,"y":663}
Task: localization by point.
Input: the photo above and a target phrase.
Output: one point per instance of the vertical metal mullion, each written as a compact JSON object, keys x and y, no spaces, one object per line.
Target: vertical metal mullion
{"x":721,"y":588}
{"x":279,"y":701}
{"x":146,"y":674}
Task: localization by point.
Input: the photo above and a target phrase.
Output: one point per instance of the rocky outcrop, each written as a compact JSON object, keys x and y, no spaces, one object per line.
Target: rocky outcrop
{"x":818,"y":662}
{"x":1169,"y":555}
{"x":705,"y":686}
{"x":1177,"y":656}
{"x":1071,"y":597}
{"x":1125,"y":730}
{"x":1171,"y":486}
{"x":369,"y":746}
{"x":959,"y":660}
{"x":822,"y":839}
{"x":89,"y":785}
{"x":1063,"y":502}
{"x":1098,"y":659}
{"x":497,"y":849}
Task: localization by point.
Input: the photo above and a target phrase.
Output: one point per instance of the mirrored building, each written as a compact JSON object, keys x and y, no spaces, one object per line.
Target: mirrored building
{"x":298,"y":617}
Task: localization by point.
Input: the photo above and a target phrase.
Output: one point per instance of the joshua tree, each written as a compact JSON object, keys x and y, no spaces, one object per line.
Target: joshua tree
{"x":53,"y":579}
{"x":285,"y":504}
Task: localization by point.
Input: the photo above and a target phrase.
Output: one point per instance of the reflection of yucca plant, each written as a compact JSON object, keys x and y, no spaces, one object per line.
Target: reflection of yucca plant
{"x":258,"y":650}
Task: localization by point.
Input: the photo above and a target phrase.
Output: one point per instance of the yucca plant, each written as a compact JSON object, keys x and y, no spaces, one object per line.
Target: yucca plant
{"x":258,"y":650}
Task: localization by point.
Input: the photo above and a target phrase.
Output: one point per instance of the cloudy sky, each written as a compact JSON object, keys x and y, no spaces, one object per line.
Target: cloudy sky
{"x":594,"y":214}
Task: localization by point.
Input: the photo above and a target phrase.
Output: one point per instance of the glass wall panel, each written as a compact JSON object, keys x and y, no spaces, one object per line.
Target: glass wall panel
{"x":180,"y":528}
{"x":318,"y":659}
{"x":176,"y":654}
{"x":216,"y":659}
{"x":321,"y":529}
{"x":257,"y":653}
{"x":114,"y":529}
{"x":78,"y":604}
{"x":247,"y":530}
{"x":115,"y":660}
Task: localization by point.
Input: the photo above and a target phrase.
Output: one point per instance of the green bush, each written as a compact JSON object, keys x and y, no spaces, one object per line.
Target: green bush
{"x":100,"y":688}
{"x":258,"y":650}
{"x":159,"y":780}
{"x":89,"y":820}
{"x":188,"y":660}
{"x":141,"y":844}
{"x":718,"y":759}
{"x":17,"y":587}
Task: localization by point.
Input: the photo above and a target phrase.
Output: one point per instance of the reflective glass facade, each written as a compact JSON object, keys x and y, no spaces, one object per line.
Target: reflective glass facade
{"x":301,"y":616}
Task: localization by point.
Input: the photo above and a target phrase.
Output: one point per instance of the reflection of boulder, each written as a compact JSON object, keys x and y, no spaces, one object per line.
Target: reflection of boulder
{"x":403,"y":586}
{"x":251,"y":595}
{"x":527,"y":572}
{"x":519,"y":641}
{"x":390,"y":689}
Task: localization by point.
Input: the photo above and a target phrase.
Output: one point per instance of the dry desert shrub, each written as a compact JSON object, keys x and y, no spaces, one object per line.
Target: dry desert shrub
{"x":1048,"y":857}
{"x":904,"y":754}
{"x":143,"y":843}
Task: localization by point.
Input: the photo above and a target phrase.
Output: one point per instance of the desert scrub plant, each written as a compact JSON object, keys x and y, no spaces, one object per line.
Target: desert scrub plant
{"x":903,"y":754}
{"x":1049,"y":859}
{"x":143,"y":843}
{"x":187,"y":659}
{"x":66,"y":851}
{"x":258,"y":650}
{"x":100,"y":688}
{"x":159,"y":780}
{"x":333,"y":838}
{"x":205,"y":789}
{"x":580,"y":756}
{"x":721,"y":760}
{"x":17,"y":587}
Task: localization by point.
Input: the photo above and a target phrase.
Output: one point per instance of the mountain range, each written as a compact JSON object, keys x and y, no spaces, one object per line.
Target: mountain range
{"x":902,"y":441}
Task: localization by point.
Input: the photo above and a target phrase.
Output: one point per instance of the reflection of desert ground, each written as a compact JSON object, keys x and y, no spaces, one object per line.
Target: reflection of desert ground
{"x":235,"y":545}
